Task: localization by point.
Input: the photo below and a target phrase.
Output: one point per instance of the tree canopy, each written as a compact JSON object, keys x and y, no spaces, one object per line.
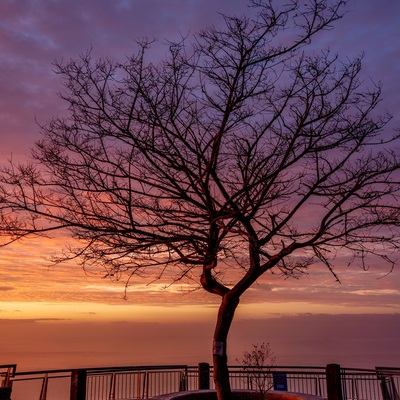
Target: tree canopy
{"x":244,"y":149}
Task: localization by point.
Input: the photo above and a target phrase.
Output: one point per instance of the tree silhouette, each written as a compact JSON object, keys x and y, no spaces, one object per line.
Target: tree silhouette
{"x":243,"y":151}
{"x":259,"y":363}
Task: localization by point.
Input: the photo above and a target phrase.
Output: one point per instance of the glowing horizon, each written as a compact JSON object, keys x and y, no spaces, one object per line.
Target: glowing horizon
{"x":38,"y":289}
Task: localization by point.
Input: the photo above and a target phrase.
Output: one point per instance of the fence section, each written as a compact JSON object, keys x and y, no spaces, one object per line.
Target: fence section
{"x":41,"y":385}
{"x":361,"y":385}
{"x":390,"y":382}
{"x":356,"y":384}
{"x":7,"y":372}
{"x":137,"y":383}
{"x":309,"y":380}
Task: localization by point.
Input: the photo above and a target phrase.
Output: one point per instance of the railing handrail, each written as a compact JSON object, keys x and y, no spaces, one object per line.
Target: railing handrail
{"x":387,"y":371}
{"x":102,"y":369}
{"x":12,"y":367}
{"x":186,"y":366}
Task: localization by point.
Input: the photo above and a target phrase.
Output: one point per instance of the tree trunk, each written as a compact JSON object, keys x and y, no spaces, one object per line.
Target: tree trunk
{"x":225,"y":316}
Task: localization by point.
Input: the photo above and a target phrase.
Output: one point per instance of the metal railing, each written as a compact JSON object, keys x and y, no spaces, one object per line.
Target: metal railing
{"x":143,"y":382}
{"x":390,"y":382}
{"x":308,"y":380}
{"x":135,"y":382}
{"x":356,"y":384}
{"x":119,"y":383}
{"x":41,"y":385}
{"x":361,"y":385}
{"x":7,"y":371}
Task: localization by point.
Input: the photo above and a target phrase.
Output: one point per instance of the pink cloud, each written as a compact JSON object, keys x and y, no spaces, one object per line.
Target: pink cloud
{"x":6,"y":288}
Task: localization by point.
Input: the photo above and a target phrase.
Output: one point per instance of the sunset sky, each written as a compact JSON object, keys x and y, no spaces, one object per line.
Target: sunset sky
{"x":65,"y":312}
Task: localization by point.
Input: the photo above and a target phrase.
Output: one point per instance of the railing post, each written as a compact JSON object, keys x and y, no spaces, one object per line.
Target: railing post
{"x":5,"y":393}
{"x":334,"y":382}
{"x":78,"y":384}
{"x":204,"y":376}
{"x":183,"y":381}
{"x":112,"y":387}
{"x":7,"y":378}
{"x":6,"y":386}
{"x":43,"y":391}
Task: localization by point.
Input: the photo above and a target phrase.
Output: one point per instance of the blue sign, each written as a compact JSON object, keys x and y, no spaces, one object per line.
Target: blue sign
{"x":280,"y":381}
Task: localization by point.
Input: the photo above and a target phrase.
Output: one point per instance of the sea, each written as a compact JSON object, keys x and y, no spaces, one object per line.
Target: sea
{"x":352,"y":341}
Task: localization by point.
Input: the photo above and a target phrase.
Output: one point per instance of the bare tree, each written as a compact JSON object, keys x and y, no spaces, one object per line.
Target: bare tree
{"x":244,"y":151}
{"x":259,"y":365}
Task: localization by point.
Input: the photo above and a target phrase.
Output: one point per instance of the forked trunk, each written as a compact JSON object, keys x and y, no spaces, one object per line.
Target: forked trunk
{"x":220,"y":359}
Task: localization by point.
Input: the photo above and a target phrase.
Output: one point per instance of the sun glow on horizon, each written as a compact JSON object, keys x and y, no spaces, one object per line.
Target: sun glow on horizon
{"x":32,"y":289}
{"x":104,"y":312}
{"x":174,"y":313}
